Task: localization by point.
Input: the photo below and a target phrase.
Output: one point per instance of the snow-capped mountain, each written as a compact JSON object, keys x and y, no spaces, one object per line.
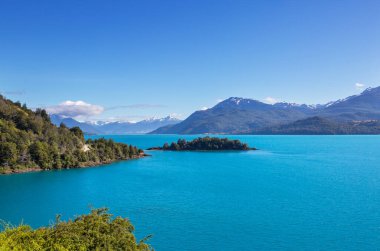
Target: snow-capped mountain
{"x":118,"y":127}
{"x":241,"y":115}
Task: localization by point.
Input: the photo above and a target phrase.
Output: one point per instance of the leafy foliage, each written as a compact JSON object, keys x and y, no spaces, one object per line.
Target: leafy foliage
{"x":94,"y":231}
{"x":29,"y":140}
{"x":205,"y":144}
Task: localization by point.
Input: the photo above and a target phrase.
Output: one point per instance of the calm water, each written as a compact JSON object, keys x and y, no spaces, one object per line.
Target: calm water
{"x":297,"y":192}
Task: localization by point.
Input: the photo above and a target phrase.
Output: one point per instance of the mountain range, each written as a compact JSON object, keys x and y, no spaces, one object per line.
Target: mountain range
{"x":358,"y":114}
{"x":101,"y":127}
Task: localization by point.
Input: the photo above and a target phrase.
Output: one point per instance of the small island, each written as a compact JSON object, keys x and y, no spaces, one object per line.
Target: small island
{"x":205,"y":144}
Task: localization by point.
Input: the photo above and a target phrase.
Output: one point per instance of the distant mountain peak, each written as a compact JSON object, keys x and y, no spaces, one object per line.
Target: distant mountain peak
{"x":98,"y":122}
{"x":371,"y":90}
{"x":235,"y":100}
{"x":167,"y":118}
{"x":241,"y":115}
{"x":339,"y":101}
{"x":170,"y":117}
{"x":117,"y":127}
{"x":290,"y":105}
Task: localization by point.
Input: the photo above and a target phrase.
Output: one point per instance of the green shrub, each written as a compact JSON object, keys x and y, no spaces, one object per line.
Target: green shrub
{"x":94,"y":231}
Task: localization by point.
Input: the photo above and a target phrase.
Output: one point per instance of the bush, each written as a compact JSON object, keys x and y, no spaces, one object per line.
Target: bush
{"x":94,"y":231}
{"x":8,"y":153}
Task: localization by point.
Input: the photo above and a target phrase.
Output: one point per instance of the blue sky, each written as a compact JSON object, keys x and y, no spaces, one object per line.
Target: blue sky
{"x":135,"y":59}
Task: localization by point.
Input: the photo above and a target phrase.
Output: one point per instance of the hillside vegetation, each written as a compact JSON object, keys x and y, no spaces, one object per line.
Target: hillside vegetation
{"x":29,"y":141}
{"x":94,"y":231}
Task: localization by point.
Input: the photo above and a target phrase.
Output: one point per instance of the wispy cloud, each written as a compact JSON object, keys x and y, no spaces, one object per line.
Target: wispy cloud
{"x":359,"y":86}
{"x":13,"y":93}
{"x":270,"y":100}
{"x":75,"y":109}
{"x":131,"y":118}
{"x":128,"y":118}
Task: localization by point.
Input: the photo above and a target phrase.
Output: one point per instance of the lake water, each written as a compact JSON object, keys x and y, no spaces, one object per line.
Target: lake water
{"x":297,"y":192}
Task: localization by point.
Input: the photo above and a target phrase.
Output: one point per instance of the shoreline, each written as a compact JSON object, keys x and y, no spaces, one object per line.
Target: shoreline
{"x":84,"y":165}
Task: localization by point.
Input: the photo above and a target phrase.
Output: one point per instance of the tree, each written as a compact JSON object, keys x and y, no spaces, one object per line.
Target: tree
{"x":174,"y":146}
{"x":40,"y":154}
{"x":77,"y":132}
{"x":132,"y":151}
{"x":125,"y":151}
{"x":42,"y":113}
{"x":97,"y":230}
{"x":8,"y":153}
{"x":181,"y":142}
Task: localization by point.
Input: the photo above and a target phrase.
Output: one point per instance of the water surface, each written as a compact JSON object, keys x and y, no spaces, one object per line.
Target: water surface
{"x":297,"y":192}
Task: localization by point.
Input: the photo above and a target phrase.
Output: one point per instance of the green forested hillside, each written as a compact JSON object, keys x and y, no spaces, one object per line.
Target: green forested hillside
{"x":28,"y":141}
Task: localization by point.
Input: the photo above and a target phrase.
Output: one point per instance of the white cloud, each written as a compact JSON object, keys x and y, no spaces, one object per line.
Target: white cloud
{"x":359,"y":86}
{"x":270,"y":100}
{"x":204,"y":108}
{"x":75,"y":109}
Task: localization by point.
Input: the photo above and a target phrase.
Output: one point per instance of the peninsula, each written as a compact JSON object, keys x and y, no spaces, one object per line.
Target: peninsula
{"x":30,"y":142}
{"x":205,"y":144}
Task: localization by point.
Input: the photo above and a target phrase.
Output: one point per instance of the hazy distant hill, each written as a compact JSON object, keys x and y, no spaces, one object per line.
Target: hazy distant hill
{"x":365,"y":106}
{"x":239,"y":115}
{"x":69,"y":122}
{"x":236,"y":115}
{"x":319,"y":125}
{"x":143,"y":126}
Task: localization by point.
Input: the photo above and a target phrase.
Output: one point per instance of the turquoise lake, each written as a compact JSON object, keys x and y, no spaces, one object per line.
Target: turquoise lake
{"x":295,"y":193}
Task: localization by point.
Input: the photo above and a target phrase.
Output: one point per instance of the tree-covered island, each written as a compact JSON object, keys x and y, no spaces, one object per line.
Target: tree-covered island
{"x":205,"y":144}
{"x":30,"y":142}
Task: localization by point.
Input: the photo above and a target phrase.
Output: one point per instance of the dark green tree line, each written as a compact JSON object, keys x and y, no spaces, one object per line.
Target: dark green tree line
{"x":205,"y":144}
